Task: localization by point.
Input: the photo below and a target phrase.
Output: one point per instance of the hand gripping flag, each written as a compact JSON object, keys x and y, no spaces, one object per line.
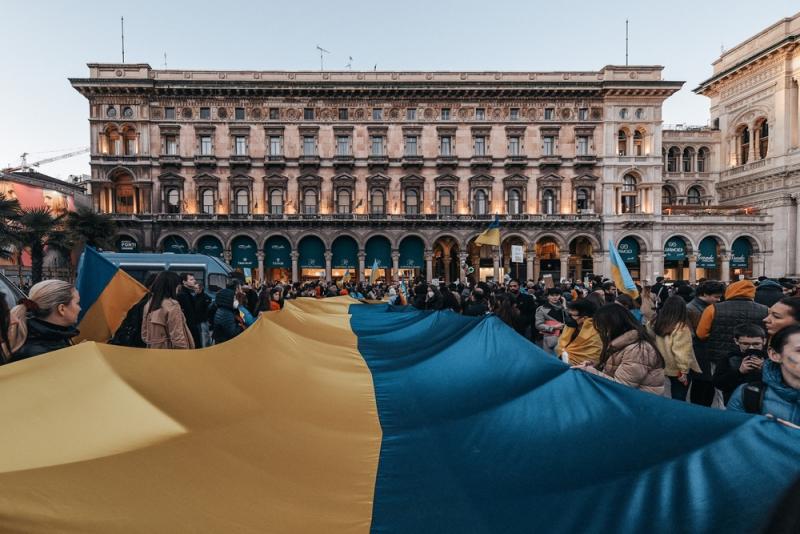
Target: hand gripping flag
{"x":490,"y":236}
{"x":619,"y":273}
{"x":107,"y":293}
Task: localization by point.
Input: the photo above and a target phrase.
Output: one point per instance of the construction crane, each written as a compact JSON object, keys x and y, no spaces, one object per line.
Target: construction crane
{"x":25,"y":166}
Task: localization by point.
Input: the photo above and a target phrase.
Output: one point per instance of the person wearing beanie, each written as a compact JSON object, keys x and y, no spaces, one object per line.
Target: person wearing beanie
{"x":227,"y":321}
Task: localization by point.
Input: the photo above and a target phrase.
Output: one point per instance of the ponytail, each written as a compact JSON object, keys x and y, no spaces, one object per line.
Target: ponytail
{"x":43,"y":298}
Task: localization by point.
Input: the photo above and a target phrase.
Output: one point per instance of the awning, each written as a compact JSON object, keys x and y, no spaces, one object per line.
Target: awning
{"x":345,"y":253}
{"x":243,"y":253}
{"x":412,"y":253}
{"x":210,"y":246}
{"x":312,"y":253}
{"x":675,"y":249}
{"x":629,"y":250}
{"x":741,"y":250}
{"x":277,"y":253}
{"x":126,"y":243}
{"x":707,"y":258}
{"x":378,"y":248}
{"x":175,"y":244}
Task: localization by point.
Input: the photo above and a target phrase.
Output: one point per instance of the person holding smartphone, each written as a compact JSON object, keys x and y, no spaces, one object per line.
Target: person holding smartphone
{"x":744,"y":364}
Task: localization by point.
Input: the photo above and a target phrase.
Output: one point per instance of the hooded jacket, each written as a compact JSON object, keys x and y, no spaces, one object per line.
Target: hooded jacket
{"x":44,"y":337}
{"x":635,"y":363}
{"x":677,"y":350}
{"x":226,"y":325}
{"x":780,"y":400}
{"x":768,"y":292}
{"x":719,"y":320}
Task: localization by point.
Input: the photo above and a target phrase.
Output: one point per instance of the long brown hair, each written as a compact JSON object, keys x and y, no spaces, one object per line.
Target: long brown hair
{"x":612,"y":321}
{"x":672,"y":315}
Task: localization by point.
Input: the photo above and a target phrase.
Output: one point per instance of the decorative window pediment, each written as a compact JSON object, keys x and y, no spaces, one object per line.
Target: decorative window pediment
{"x":586,"y":178}
{"x":481,"y":180}
{"x":516,"y":180}
{"x":170,"y":178}
{"x":412,"y":180}
{"x":447,"y":179}
{"x":169,"y":129}
{"x":208,"y":180}
{"x":515,"y":130}
{"x":276,"y":180}
{"x":204,"y":129}
{"x":344,"y":180}
{"x":309,"y":180}
{"x":551,"y":179}
{"x":378,"y":180}
{"x":273,"y":130}
{"x":241,"y":180}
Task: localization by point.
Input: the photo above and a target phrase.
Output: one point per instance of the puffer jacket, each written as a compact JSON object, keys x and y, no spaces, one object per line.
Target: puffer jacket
{"x":780,"y":400}
{"x":44,"y":337}
{"x":677,"y":350}
{"x":635,"y":363}
{"x":769,"y":292}
{"x":719,"y":320}
{"x":166,"y":328}
{"x":227,"y":322}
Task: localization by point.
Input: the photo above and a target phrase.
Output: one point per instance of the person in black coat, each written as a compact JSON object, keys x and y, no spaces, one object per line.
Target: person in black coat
{"x":476,"y":306}
{"x":744,"y":364}
{"x":227,"y":323}
{"x":45,"y":321}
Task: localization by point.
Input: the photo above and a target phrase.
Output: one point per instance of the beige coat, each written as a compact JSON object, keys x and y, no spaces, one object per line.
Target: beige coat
{"x":634,"y":363}
{"x":677,"y":350}
{"x":166,"y":327}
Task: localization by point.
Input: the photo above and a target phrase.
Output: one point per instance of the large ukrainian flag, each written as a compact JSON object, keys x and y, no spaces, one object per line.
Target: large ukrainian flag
{"x":334,"y":417}
{"x":107,"y":293}
{"x":620,"y":274}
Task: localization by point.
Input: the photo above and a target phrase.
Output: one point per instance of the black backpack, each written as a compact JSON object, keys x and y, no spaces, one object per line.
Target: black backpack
{"x":129,"y":333}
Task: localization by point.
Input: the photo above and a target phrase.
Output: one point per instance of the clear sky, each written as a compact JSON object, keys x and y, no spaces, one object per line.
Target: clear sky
{"x":46,"y":42}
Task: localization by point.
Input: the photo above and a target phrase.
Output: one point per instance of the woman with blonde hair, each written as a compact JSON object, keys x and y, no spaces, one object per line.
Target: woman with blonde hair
{"x":45,"y":321}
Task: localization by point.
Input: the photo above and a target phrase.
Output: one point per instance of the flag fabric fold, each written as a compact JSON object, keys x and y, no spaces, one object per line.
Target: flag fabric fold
{"x":620,"y":274}
{"x":490,"y":236}
{"x":373,"y":274}
{"x":107,"y":293}
{"x":338,"y":417}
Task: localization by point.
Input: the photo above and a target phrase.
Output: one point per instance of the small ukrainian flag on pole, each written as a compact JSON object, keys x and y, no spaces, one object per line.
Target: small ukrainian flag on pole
{"x":620,"y":274}
{"x":490,"y":236}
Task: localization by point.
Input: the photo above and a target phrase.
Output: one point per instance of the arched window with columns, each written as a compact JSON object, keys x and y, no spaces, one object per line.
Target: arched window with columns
{"x":242,"y":201}
{"x":343,"y":201}
{"x":310,"y":201}
{"x":668,"y":197}
{"x":629,"y":194}
{"x":377,"y":204}
{"x":446,"y":201}
{"x":207,"y":200}
{"x":703,"y":156}
{"x":673,"y":155}
{"x":688,"y":159}
{"x":276,"y":201}
{"x":763,"y":138}
{"x":693,"y":196}
{"x":743,"y":144}
{"x":480,"y":202}
{"x":412,"y":201}
{"x":549,"y":199}
{"x":514,"y":201}
{"x":638,"y":143}
{"x":622,"y":142}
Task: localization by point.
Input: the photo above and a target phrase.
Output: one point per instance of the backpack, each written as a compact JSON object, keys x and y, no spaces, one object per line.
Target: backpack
{"x":129,"y":333}
{"x":753,"y":397}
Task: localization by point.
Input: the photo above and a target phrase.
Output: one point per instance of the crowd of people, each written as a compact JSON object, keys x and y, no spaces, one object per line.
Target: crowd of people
{"x":712,"y":344}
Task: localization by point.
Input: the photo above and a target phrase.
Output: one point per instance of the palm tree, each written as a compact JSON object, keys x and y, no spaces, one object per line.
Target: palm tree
{"x":9,"y":212}
{"x":34,"y":227}
{"x":85,"y":227}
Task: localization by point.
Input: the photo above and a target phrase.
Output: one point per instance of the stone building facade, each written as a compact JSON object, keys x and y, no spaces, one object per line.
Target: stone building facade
{"x":296,"y":175}
{"x":755,"y":105}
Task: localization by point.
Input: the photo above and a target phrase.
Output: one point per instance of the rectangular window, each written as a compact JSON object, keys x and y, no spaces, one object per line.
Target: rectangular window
{"x":582,"y":146}
{"x":343,"y":114}
{"x":343,"y":145}
{"x":446,"y":146}
{"x":480,"y":146}
{"x":411,"y":114}
{"x":377,"y":145}
{"x":549,"y":113}
{"x":275,"y":145}
{"x":130,"y":147}
{"x":514,"y":114}
{"x":171,"y":145}
{"x":480,"y":114}
{"x":274,"y":114}
{"x":513,"y":146}
{"x":377,"y":114}
{"x":411,"y":145}
{"x":309,"y":148}
{"x":583,"y":114}
{"x":205,"y":145}
{"x":445,"y":114}
{"x":240,"y":145}
{"x":549,"y":146}
{"x":308,"y":114}
{"x":205,"y":113}
{"x":169,"y":113}
{"x":238,"y":114}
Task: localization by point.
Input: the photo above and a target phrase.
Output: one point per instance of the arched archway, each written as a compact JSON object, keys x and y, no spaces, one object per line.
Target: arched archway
{"x":378,"y":250}
{"x":344,"y":258}
{"x":581,"y":258}
{"x":708,"y":262}
{"x":446,"y":263}
{"x":412,"y":257}
{"x":210,"y":246}
{"x":126,"y":243}
{"x":277,"y":258}
{"x":175,"y":244}
{"x":548,"y":259}
{"x":630,"y":249}
{"x":741,"y":257}
{"x":677,"y":250}
{"x":244,"y":257}
{"x":311,"y":260}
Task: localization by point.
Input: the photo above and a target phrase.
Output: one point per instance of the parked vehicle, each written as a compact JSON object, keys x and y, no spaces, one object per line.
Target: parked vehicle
{"x":212,"y":272}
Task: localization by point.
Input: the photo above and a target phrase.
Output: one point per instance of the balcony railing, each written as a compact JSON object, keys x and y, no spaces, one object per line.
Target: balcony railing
{"x":169,"y":159}
{"x":343,"y":160}
{"x":446,"y":161}
{"x":207,"y":160}
{"x":745,"y":168}
{"x":480,"y":161}
{"x":516,"y":161}
{"x":276,"y":160}
{"x":375,"y":160}
{"x":550,"y":160}
{"x":401,"y":217}
{"x":710,"y":211}
{"x":585,"y":159}
{"x":412,"y":161}
{"x":240,"y":159}
{"x":309,"y":160}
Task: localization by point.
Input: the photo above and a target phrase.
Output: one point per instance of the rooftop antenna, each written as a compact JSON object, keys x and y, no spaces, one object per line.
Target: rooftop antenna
{"x":122,"y":35}
{"x":165,"y":60}
{"x":349,"y":65}
{"x":626,"y":42}
{"x":321,"y":57}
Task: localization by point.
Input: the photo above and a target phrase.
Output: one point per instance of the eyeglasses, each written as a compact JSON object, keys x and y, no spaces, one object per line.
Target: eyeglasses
{"x":755,"y":345}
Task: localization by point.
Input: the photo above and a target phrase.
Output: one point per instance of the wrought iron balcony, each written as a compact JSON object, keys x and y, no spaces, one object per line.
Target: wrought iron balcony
{"x":446,"y":161}
{"x":412,"y":161}
{"x":585,"y":160}
{"x":240,"y":160}
{"x":205,"y":161}
{"x":276,"y":160}
{"x":480,"y":161}
{"x":516,"y":161}
{"x":309,"y":161}
{"x":377,"y":160}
